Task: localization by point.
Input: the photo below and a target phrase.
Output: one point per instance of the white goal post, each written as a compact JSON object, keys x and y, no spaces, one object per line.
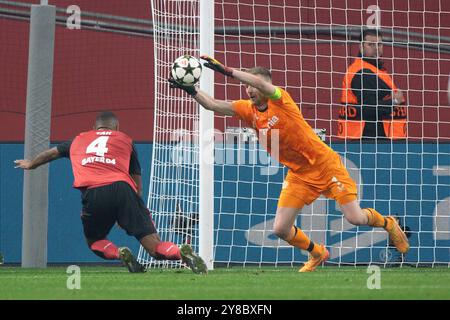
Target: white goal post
{"x":181,"y":189}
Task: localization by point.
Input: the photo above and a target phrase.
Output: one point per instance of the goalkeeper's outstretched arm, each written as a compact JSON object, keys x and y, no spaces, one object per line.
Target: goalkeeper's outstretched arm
{"x":264,"y":86}
{"x":221,"y":107}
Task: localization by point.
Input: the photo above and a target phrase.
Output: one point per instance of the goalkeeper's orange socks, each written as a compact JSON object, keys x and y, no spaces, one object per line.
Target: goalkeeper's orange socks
{"x":105,"y":249}
{"x":167,"y":251}
{"x":298,"y":239}
{"x":375,"y":219}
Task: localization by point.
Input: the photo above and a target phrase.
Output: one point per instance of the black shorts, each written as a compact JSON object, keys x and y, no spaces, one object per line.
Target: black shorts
{"x":116,"y":202}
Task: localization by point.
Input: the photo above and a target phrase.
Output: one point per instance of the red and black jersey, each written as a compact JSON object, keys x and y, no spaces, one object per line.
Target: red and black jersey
{"x":101,"y":157}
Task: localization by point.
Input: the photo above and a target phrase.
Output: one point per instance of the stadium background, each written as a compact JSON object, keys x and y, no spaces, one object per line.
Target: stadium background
{"x":97,"y":69}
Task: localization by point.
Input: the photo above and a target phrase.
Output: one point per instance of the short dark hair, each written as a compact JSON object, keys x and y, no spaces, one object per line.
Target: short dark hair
{"x":106,"y":119}
{"x":262,"y":71}
{"x":369,"y":32}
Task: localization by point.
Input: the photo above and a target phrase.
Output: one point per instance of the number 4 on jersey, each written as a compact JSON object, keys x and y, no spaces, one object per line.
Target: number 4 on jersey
{"x":98,"y":146}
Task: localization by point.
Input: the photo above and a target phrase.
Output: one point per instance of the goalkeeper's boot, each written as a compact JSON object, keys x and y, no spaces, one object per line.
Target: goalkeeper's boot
{"x":314,"y":262}
{"x":396,"y":235}
{"x":192,"y":260}
{"x":130,"y":261}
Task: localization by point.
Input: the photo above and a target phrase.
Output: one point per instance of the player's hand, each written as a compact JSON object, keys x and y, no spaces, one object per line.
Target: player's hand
{"x":23,"y":164}
{"x":216,"y":65}
{"x":398,"y":97}
{"x":188,"y":89}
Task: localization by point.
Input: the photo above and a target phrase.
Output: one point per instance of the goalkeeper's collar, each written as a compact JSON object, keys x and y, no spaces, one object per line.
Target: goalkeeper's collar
{"x":264,"y":107}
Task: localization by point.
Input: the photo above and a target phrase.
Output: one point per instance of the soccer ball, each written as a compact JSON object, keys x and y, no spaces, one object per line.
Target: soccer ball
{"x":186,"y":70}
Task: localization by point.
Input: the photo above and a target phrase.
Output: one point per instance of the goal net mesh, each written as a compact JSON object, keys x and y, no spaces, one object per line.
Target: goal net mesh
{"x":308,"y":46}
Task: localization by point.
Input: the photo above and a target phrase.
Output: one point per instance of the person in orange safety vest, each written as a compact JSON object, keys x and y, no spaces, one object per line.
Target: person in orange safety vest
{"x":372,"y":105}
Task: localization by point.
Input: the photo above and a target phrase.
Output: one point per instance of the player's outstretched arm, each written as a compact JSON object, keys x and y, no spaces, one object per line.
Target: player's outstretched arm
{"x":42,"y":158}
{"x":266,"y":87}
{"x":221,"y":107}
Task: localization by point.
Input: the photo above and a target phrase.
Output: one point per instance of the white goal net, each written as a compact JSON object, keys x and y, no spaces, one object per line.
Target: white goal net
{"x":308,"y":45}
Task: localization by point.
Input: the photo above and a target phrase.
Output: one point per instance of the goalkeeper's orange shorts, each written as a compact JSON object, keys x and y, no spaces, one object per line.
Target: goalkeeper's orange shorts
{"x":329,"y":178}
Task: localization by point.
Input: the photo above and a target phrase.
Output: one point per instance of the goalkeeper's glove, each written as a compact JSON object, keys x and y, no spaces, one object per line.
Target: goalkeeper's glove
{"x":217,"y":66}
{"x":190,"y":90}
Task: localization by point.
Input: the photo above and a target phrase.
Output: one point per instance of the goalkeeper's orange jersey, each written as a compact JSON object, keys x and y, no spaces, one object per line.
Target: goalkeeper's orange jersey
{"x":299,"y":147}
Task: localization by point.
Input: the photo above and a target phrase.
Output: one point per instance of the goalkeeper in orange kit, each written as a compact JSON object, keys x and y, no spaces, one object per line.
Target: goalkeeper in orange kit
{"x":314,"y":168}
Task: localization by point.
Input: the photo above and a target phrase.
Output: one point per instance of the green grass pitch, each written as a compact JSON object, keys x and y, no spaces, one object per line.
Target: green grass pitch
{"x":236,"y":283}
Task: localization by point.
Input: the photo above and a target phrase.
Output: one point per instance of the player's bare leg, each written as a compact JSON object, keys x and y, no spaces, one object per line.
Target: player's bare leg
{"x":161,"y":250}
{"x":285,"y":229}
{"x":368,"y":216}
